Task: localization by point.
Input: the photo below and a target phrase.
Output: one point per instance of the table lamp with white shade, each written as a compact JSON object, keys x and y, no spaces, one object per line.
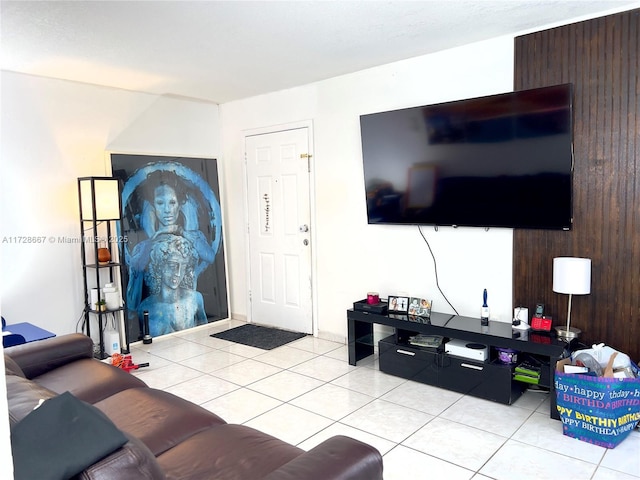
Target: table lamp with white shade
{"x":572,"y":276}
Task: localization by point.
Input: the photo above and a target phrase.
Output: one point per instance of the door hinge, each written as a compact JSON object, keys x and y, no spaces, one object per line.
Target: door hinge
{"x":305,"y":155}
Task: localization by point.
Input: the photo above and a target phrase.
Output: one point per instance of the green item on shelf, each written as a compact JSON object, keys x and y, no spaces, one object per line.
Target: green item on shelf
{"x":528,"y":369}
{"x":526,"y":378}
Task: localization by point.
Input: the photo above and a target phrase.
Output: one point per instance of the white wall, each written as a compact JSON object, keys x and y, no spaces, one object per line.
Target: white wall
{"x":353,"y":257}
{"x":52,"y":133}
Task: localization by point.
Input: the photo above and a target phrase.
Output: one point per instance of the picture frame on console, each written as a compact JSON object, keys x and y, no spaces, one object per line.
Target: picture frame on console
{"x":398,"y":304}
{"x":420,"y":307}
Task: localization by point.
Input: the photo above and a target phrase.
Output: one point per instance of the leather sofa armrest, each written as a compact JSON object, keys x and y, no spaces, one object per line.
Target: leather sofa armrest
{"x":133,"y":461}
{"x":36,"y":358}
{"x":337,"y":458}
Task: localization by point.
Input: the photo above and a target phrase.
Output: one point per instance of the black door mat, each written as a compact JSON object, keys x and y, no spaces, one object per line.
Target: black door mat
{"x":265,"y":338}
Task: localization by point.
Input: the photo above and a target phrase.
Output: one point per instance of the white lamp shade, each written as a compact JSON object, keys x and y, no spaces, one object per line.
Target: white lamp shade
{"x":107,"y":201}
{"x":572,"y":275}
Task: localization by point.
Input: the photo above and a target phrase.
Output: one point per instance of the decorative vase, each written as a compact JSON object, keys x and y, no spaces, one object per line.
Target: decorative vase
{"x":104,"y":256}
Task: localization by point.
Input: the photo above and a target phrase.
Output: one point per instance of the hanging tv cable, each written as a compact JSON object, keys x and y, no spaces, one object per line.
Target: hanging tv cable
{"x":435,"y":269}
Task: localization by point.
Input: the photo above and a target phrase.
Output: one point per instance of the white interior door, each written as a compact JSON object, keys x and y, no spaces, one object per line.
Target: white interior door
{"x":279,"y":229}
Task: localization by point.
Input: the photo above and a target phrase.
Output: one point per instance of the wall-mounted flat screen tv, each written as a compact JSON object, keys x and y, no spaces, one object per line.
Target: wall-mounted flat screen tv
{"x":498,"y":161}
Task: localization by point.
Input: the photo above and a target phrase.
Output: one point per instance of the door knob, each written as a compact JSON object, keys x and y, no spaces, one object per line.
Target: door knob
{"x":304,"y":228}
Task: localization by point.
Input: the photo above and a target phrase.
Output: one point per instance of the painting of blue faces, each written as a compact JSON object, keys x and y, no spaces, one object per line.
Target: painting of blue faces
{"x":174,"y":255}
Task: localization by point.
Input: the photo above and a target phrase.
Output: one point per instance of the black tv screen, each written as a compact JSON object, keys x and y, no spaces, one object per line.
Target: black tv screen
{"x":497,"y":161}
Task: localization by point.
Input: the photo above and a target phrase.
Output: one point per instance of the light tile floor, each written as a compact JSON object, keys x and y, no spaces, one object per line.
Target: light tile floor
{"x":306,"y":391}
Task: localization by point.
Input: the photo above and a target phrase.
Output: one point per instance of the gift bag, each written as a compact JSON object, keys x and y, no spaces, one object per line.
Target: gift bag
{"x":597,"y":410}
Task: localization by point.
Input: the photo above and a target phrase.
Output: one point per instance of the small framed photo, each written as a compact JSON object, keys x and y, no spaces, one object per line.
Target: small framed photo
{"x":398,"y":304}
{"x":420,"y":307}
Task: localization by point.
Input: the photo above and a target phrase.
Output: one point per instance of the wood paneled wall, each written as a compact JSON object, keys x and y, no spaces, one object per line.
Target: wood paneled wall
{"x":600,"y":57}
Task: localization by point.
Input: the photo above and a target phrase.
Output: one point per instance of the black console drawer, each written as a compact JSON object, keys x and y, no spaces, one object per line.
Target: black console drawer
{"x":406,"y":361}
{"x":460,"y":374}
{"x":491,"y":381}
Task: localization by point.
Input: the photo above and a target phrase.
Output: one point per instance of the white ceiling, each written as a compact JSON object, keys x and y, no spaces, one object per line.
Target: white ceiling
{"x":225,"y":50}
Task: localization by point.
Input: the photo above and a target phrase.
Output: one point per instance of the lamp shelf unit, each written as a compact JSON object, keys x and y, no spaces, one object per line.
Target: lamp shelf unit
{"x":100,"y":215}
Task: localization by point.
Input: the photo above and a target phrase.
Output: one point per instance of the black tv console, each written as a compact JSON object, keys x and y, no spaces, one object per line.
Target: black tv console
{"x":490,"y":379}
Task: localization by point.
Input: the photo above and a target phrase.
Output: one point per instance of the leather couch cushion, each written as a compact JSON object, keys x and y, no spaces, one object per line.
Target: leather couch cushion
{"x":89,"y":380}
{"x":11,"y":367}
{"x":23,"y":396}
{"x":337,"y":458}
{"x":160,"y":419}
{"x":227,"y":452}
{"x":133,"y":461}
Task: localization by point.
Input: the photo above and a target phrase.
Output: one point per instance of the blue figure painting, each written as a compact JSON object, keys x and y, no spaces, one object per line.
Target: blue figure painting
{"x":174,"y":304}
{"x":174,"y":257}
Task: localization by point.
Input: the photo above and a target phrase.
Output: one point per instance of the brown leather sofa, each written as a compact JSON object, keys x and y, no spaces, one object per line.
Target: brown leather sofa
{"x":169,"y":437}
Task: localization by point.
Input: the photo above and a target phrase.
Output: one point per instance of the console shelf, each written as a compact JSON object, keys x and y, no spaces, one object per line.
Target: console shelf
{"x":490,"y":379}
